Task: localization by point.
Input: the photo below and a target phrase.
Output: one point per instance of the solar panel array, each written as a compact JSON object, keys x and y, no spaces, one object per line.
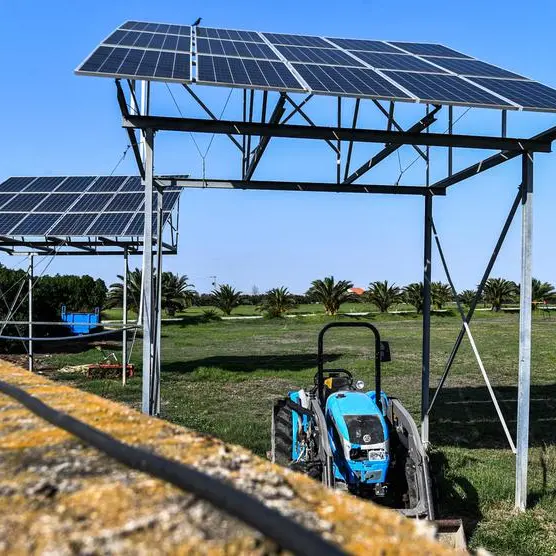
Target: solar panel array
{"x":108,"y":206}
{"x":390,"y":70}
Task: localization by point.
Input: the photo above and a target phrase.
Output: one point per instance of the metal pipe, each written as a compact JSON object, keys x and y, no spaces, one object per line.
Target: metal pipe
{"x":148,"y":276}
{"x":159,"y":221}
{"x":124,"y":310}
{"x":350,"y":146}
{"x":30,"y":349}
{"x":426,"y":344}
{"x":450,"y":131}
{"x":525,"y":305}
{"x":339,"y":145}
{"x":504,"y":123}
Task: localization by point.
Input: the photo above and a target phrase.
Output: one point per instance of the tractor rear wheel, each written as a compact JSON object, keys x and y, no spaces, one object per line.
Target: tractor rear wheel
{"x":282,"y":433}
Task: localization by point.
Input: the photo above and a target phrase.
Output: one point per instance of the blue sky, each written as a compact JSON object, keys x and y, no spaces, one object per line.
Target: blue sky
{"x":57,"y":123}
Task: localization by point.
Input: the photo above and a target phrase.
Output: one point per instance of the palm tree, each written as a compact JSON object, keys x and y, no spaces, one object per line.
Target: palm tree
{"x":467,"y":296}
{"x":440,"y":294}
{"x":413,"y":295}
{"x":276,"y":302}
{"x":383,"y":295}
{"x":177,"y":293}
{"x":116,"y":292}
{"x":542,"y":291}
{"x":226,"y":298}
{"x":498,"y":291}
{"x":330,"y":293}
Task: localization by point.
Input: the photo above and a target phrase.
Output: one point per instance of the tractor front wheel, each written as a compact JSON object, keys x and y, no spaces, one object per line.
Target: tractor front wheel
{"x":282,"y":434}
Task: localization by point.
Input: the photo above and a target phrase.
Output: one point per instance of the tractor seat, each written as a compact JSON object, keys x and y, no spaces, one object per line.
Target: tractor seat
{"x":336,"y":384}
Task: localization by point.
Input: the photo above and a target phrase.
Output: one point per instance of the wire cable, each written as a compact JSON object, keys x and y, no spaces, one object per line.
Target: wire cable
{"x":284,"y":531}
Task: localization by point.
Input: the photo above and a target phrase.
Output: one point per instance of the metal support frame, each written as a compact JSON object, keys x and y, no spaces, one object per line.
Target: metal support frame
{"x":148,"y":293}
{"x":30,"y":304}
{"x":124,"y":318}
{"x":525,"y":306}
{"x":426,"y":340}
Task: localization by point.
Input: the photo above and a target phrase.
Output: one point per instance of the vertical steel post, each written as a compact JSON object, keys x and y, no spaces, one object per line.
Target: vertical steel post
{"x":525,"y":305}
{"x":30,"y":282}
{"x":450,"y":149}
{"x":504,"y":131}
{"x":426,"y":345}
{"x":158,"y":301}
{"x":148,"y":297}
{"x":339,"y":145}
{"x":124,"y":319}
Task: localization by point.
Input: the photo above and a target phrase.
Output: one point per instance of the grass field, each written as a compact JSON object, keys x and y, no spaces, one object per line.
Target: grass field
{"x":222,"y":377}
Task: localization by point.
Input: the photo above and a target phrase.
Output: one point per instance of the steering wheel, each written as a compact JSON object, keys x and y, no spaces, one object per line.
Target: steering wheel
{"x":338,"y":372}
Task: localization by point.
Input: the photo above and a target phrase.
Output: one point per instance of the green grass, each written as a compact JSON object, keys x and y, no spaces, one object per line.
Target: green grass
{"x":222,"y":377}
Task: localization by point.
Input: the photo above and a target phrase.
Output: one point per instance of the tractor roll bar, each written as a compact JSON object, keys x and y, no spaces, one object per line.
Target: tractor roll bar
{"x":320,"y":356}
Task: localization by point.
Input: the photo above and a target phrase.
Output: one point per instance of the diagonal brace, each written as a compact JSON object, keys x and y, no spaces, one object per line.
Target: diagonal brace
{"x":472,"y":341}
{"x":421,"y":125}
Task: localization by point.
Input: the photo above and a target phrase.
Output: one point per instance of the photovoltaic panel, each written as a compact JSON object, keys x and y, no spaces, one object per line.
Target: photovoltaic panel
{"x":44,"y":184}
{"x":296,"y":40}
{"x":476,"y":68}
{"x":429,"y":49}
{"x":532,"y":95}
{"x":35,"y":224}
{"x":129,"y":202}
{"x":107,"y":183}
{"x":73,"y":225}
{"x":111,"y":224}
{"x":137,"y":63}
{"x":15,"y":184}
{"x":138,"y":223}
{"x":348,"y":81}
{"x":236,"y":48}
{"x":435,"y":88}
{"x":133,"y":184}
{"x":75,"y":184}
{"x":157,"y":27}
{"x":311,"y":55}
{"x":24,"y":202}
{"x":92,"y":202}
{"x":8,"y":220}
{"x":364,"y":45}
{"x":406,"y":62}
{"x":153,"y":41}
{"x":246,"y":72}
{"x":57,"y":202}
{"x":230,"y":34}
{"x":5,"y":197}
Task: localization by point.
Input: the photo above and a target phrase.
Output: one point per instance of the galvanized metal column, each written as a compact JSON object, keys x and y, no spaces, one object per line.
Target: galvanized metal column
{"x":426,"y":345}
{"x":158,"y":301}
{"x":124,"y":310}
{"x":148,"y":297}
{"x":525,"y":306}
{"x":30,"y":282}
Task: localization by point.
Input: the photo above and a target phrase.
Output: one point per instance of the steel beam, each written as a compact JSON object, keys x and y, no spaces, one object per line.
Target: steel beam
{"x":420,"y":126}
{"x":303,"y":186}
{"x":525,"y":305}
{"x":148,"y":297}
{"x":165,"y":123}
{"x":426,"y":340}
{"x":30,"y":280}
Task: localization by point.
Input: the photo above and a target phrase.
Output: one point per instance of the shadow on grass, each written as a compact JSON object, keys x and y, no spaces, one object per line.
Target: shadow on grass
{"x":454,"y":495}
{"x":249,"y":363}
{"x":466,"y":416}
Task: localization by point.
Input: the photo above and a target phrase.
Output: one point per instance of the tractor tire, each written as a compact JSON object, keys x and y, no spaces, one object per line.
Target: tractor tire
{"x":281,"y":434}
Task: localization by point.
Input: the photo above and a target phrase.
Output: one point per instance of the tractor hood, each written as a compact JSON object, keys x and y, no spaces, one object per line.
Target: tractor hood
{"x":357,"y":418}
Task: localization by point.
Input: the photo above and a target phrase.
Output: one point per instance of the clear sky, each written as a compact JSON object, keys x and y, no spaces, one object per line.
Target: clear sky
{"x":55,"y":123}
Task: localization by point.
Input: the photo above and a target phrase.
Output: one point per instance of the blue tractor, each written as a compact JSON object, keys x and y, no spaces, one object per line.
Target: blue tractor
{"x":361,"y":441}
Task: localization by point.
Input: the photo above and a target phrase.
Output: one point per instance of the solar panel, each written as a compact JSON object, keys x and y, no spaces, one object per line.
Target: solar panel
{"x":264,"y":74}
{"x":428,"y":49}
{"x":406,"y":62}
{"x":137,"y":63}
{"x":364,"y":45}
{"x":532,"y":95}
{"x":138,"y":223}
{"x":44,"y":184}
{"x":236,"y":48}
{"x":98,"y":203}
{"x":15,"y":184}
{"x":473,"y":68}
{"x":229,"y":34}
{"x":35,"y":224}
{"x":296,"y":40}
{"x":435,"y":88}
{"x":349,"y":81}
{"x":330,"y":56}
{"x":305,"y":63}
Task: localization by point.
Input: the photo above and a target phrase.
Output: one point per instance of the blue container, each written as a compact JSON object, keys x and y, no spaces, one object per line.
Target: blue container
{"x":81,"y":323}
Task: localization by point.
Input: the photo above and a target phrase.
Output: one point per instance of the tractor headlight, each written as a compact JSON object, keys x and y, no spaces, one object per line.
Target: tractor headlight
{"x":359,"y":385}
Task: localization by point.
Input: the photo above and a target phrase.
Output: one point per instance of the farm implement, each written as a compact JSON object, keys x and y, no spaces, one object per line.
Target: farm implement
{"x":363,"y":442}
